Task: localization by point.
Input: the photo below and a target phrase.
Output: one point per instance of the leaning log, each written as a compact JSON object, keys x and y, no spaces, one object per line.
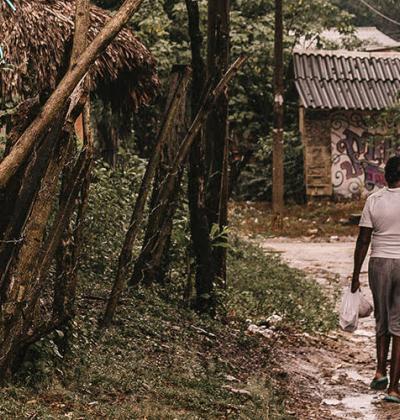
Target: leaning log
{"x":64,"y":90}
{"x":125,"y":257}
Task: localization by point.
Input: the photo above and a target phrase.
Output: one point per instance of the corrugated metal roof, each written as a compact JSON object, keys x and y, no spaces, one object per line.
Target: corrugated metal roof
{"x":347,"y":80}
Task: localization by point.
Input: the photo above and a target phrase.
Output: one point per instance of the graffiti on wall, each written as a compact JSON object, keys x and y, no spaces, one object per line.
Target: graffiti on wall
{"x":358,"y":157}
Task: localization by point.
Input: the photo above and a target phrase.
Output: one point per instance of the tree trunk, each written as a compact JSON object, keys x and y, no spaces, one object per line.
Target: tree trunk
{"x":217,"y":127}
{"x":151,"y":264}
{"x":205,"y":294}
{"x":18,"y":275}
{"x":24,"y":278}
{"x":125,"y":257}
{"x":167,"y":187}
{"x":31,"y":181}
{"x":68,"y":253}
{"x":199,"y":225}
{"x":277,"y":152}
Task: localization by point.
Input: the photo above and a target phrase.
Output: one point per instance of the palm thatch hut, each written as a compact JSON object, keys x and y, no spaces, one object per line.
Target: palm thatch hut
{"x":37,"y":41}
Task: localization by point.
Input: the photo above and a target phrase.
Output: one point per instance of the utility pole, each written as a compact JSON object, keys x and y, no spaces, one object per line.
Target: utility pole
{"x":277,"y":149}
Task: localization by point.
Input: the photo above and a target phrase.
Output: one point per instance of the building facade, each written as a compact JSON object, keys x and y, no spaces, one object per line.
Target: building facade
{"x":342,"y":98}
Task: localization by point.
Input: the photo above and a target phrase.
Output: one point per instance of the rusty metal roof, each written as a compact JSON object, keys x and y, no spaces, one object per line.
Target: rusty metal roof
{"x":347,"y":80}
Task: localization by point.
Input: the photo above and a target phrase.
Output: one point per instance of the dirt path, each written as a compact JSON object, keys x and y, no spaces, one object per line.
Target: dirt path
{"x":331,"y":375}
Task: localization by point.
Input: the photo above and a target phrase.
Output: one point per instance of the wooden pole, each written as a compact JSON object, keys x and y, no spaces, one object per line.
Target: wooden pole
{"x":218,"y":47}
{"x":125,"y":257}
{"x":152,"y":262}
{"x":69,"y":249}
{"x":277,"y":151}
{"x":199,"y":224}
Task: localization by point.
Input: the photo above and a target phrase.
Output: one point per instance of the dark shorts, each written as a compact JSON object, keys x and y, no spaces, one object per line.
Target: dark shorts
{"x":384,"y":281}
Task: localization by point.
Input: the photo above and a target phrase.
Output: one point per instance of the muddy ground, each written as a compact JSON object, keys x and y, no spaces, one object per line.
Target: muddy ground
{"x":328,"y":376}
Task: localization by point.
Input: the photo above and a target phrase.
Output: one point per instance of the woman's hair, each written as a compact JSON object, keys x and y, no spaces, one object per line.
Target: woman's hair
{"x":392,"y":170}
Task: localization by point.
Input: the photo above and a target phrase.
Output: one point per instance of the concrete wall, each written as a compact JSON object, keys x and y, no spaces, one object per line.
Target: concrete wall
{"x":359,"y":154}
{"x":343,"y":157}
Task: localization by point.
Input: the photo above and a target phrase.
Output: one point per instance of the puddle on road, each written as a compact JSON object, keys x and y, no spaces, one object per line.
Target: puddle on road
{"x":364,"y":333}
{"x":358,"y":406}
{"x":355,"y":376}
{"x":343,"y":366}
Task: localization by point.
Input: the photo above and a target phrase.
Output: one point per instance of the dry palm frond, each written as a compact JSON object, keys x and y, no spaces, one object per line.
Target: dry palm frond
{"x":37,"y":41}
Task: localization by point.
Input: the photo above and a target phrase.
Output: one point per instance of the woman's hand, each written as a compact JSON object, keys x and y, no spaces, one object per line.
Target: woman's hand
{"x":355,"y":283}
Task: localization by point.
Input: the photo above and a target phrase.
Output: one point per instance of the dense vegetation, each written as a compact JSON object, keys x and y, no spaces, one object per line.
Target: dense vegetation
{"x":73,"y":226}
{"x":162,"y":25}
{"x":363,"y":16}
{"x":162,"y":360}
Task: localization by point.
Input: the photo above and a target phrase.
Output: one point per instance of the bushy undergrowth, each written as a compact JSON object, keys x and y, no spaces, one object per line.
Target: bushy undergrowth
{"x":255,"y":181}
{"x":112,"y":194}
{"x":262,"y":285}
{"x":161,"y":360}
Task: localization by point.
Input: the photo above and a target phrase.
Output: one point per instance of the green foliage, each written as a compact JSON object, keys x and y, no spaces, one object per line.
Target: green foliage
{"x":164,"y":34}
{"x":160,"y":362}
{"x":162,"y":26}
{"x":363,"y":16}
{"x":261,"y":286}
{"x":252,"y":26}
{"x":220,"y":237}
{"x":252,"y":32}
{"x":112,"y":194}
{"x":256,"y":178}
{"x":252,"y":94}
{"x":162,"y":359}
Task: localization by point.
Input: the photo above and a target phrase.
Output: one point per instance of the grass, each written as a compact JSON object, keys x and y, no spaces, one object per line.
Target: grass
{"x":269,"y":287}
{"x":162,"y":361}
{"x":316,"y":220}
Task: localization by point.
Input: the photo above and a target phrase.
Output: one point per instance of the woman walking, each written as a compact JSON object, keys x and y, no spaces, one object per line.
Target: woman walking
{"x":380,"y":227}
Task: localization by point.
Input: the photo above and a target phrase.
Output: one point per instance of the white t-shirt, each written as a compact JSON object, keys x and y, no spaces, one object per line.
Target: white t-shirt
{"x":382,"y":213}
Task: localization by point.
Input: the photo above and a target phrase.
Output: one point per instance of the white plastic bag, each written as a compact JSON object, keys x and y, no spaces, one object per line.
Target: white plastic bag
{"x":349,"y":310}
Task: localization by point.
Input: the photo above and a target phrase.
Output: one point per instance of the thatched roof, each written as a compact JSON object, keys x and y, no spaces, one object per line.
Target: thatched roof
{"x":37,"y":41}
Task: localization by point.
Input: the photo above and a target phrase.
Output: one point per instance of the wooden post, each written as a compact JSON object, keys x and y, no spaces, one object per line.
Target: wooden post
{"x":218,"y":46}
{"x":151,"y":264}
{"x":277,"y":152}
{"x":66,"y":261}
{"x":125,"y":257}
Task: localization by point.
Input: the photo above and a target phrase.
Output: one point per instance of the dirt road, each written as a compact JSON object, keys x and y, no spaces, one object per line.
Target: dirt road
{"x":330,"y":375}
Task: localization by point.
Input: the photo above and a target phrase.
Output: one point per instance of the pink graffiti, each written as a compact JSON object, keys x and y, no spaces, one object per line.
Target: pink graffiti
{"x":374,"y":177}
{"x":366,"y":156}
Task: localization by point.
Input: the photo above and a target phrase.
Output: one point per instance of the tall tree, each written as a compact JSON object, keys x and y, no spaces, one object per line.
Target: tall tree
{"x":217,"y":126}
{"x":277,"y":152}
{"x":199,"y":224}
